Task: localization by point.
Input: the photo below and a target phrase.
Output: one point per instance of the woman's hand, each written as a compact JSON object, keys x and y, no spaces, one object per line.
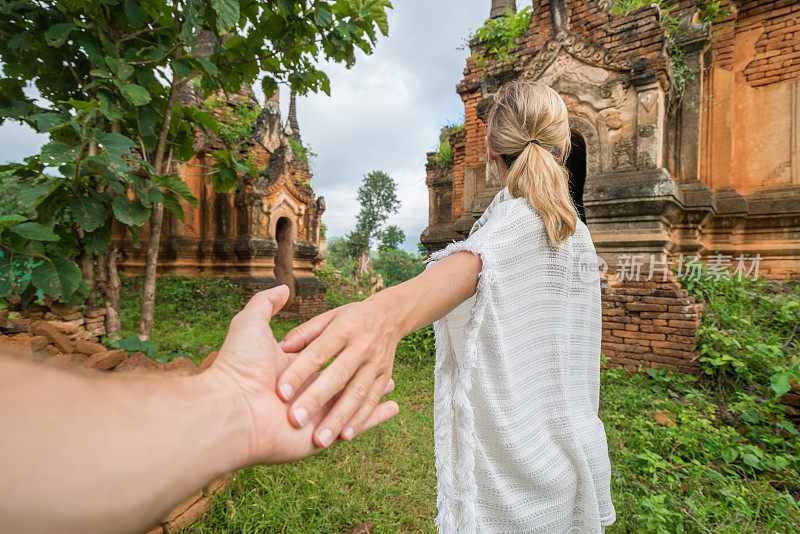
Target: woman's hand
{"x":362,"y":337}
{"x":247,"y":367}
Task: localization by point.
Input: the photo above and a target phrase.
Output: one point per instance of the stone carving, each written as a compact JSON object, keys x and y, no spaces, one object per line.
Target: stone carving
{"x":647,"y":160}
{"x":612,"y":118}
{"x":623,"y":155}
{"x":647,"y":130}
{"x":577,"y":47}
{"x":647,"y":99}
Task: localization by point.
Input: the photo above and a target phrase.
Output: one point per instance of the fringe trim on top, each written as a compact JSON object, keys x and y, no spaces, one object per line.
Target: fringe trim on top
{"x":456,"y":491}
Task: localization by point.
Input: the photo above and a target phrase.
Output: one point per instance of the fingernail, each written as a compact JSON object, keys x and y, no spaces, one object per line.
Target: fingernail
{"x":301,"y":415}
{"x":326,"y":437}
{"x":347,"y":433}
{"x":286,"y":391}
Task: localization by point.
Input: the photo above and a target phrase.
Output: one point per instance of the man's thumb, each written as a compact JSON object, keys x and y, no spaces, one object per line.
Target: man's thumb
{"x":277,"y":297}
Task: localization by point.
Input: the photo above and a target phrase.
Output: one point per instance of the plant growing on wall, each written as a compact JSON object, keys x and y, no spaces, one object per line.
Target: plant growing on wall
{"x":501,"y":35}
{"x":236,"y":120}
{"x":711,"y":11}
{"x":108,"y":76}
{"x":302,"y":153}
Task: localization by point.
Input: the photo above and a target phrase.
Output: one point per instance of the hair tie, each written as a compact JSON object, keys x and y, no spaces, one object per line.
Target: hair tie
{"x":534,"y":141}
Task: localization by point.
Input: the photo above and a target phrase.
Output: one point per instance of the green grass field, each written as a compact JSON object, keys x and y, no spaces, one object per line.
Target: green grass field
{"x":674,"y":477}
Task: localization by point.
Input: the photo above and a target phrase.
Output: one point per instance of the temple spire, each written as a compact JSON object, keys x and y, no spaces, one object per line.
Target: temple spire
{"x":501,"y":8}
{"x":293,"y":123}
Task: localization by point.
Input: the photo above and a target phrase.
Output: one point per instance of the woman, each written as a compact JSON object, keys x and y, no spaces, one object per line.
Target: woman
{"x":519,"y":446}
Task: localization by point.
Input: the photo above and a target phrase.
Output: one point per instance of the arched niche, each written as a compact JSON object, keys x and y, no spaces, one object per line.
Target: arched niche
{"x":284,"y":256}
{"x":576,"y":165}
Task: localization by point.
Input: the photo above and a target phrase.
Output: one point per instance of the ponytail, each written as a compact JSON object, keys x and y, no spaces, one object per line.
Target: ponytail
{"x":544,"y":183}
{"x":526,"y":126}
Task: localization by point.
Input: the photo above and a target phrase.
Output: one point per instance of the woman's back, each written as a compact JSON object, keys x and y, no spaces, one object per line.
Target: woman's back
{"x":519,"y":445}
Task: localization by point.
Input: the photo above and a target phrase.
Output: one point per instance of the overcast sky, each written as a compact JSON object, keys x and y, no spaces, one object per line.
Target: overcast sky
{"x":385,"y":113}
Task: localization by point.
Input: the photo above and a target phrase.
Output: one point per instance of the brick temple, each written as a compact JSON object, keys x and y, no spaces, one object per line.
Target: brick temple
{"x":264,"y":233}
{"x":712,"y":169}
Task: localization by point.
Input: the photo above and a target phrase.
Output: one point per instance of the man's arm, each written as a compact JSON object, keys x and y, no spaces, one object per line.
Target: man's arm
{"x":82,"y":453}
{"x":363,"y":337}
{"x":96,"y":454}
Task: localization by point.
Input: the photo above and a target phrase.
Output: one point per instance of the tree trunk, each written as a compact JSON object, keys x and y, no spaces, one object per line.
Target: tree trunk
{"x":149,"y":286}
{"x":154,"y":240}
{"x":86,"y":262}
{"x":109,"y":285}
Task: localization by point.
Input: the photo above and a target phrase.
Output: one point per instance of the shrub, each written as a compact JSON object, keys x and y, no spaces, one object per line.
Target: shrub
{"x":396,"y":266}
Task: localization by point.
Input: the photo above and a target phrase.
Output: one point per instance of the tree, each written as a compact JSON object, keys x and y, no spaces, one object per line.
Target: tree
{"x":110,"y":76}
{"x":391,"y":238}
{"x":378,"y":198}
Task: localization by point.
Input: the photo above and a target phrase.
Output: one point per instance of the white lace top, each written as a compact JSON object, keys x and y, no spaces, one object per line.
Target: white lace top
{"x":519,"y":446}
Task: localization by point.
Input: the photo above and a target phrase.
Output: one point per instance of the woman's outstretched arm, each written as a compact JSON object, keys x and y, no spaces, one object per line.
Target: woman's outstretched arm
{"x":363,"y":337}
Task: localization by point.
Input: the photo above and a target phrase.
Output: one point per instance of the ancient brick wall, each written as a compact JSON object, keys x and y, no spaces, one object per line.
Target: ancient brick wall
{"x":777,"y":49}
{"x":650,"y":324}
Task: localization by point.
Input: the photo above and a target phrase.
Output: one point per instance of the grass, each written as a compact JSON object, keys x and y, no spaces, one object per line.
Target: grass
{"x":676,"y":474}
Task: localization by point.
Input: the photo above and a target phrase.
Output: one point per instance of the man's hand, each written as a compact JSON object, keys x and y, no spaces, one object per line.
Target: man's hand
{"x":248,"y":366}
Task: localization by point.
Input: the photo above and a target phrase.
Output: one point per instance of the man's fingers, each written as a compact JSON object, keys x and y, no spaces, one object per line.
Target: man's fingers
{"x":330,"y":381}
{"x":298,"y":338}
{"x":364,"y":389}
{"x":355,"y":424}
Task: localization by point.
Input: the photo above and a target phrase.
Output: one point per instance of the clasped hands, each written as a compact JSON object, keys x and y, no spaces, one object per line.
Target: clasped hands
{"x":292,"y":409}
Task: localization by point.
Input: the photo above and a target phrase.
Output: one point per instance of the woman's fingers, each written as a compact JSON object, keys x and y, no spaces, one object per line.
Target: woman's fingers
{"x":357,"y":423}
{"x":365,"y":389}
{"x":308,"y":362}
{"x":330,"y":381}
{"x":382,"y":413}
{"x":299,"y":337}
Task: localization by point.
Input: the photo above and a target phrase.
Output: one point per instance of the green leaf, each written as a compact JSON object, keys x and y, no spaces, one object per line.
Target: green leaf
{"x":780,"y":384}
{"x":146,"y":121}
{"x":6,"y":276}
{"x":57,"y":277}
{"x":227,"y":13}
{"x":120,"y":67}
{"x":19,"y":41}
{"x":224,"y":179}
{"x":35,"y":231}
{"x":173,"y":205}
{"x":176,"y":185}
{"x":135,"y":94}
{"x":130,"y":212}
{"x":97,"y":242}
{"x":115,"y":144}
{"x":751,"y":460}
{"x":8,"y":220}
{"x":31,"y":197}
{"x":89,"y":212}
{"x":55,"y":153}
{"x":134,"y":14}
{"x":208,"y":66}
{"x":323,"y":17}
{"x":134,"y":344}
{"x":58,"y":33}
{"x":47,"y":121}
{"x":110,"y":107}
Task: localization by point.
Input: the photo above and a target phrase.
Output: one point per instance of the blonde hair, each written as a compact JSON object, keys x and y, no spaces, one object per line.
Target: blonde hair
{"x":529,"y":128}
